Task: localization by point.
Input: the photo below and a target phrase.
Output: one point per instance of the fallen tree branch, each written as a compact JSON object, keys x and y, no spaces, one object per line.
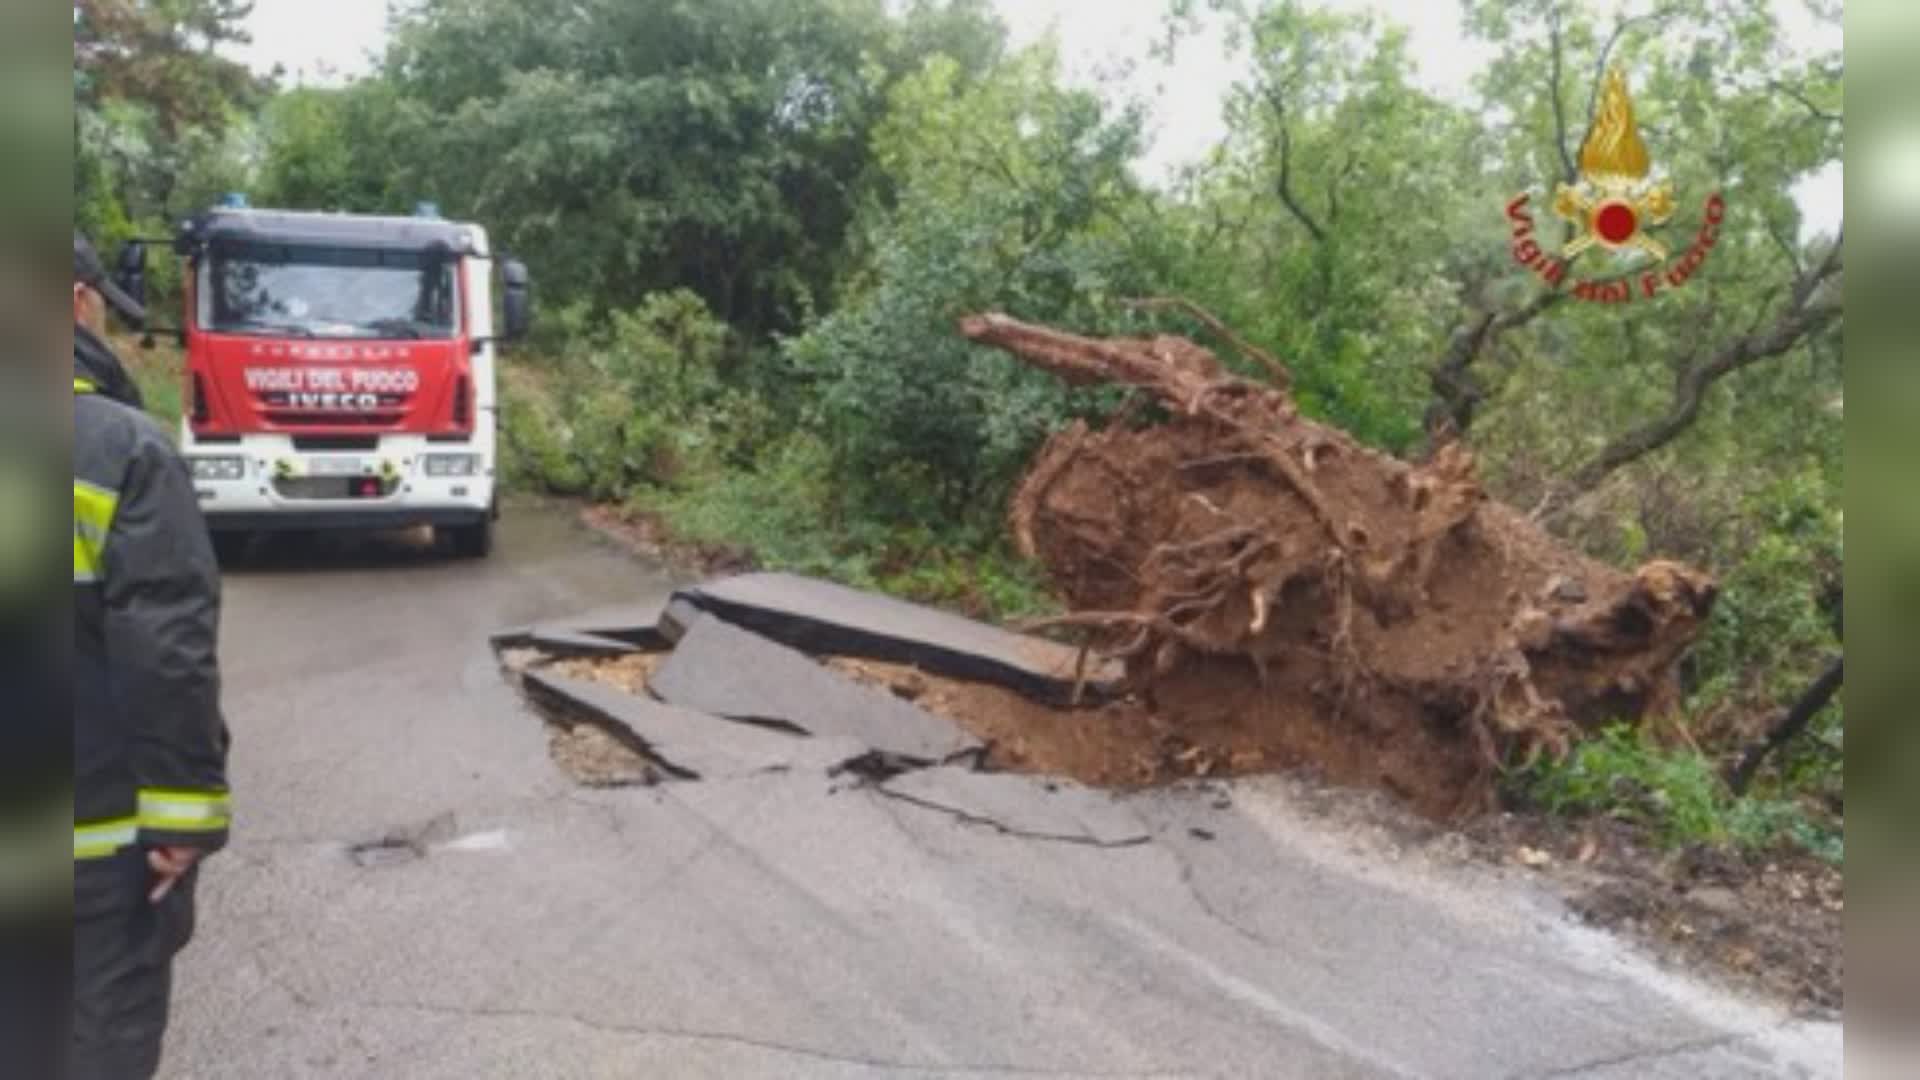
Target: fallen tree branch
{"x":1281,"y":376}
{"x":1188,"y":381}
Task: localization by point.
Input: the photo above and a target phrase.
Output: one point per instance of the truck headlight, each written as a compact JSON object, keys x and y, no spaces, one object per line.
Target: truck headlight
{"x":452,"y":464}
{"x":219,"y":468}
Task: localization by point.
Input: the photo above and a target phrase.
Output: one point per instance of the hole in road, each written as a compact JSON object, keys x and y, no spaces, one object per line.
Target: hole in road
{"x":389,"y":851}
{"x":589,"y":749}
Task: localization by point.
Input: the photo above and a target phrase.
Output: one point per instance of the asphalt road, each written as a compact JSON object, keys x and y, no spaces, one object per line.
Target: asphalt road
{"x":415,"y":891}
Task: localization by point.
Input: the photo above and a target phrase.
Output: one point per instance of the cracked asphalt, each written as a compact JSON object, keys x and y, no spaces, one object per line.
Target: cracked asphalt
{"x":782,"y":925}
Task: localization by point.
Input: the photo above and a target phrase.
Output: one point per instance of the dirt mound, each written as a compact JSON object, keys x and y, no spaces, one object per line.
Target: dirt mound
{"x":1266,"y":576}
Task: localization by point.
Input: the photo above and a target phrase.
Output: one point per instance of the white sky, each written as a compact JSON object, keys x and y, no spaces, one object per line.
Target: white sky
{"x":327,"y":40}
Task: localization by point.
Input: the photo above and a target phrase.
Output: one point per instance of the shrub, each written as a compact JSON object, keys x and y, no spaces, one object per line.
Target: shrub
{"x":1676,"y":794}
{"x":624,"y":404}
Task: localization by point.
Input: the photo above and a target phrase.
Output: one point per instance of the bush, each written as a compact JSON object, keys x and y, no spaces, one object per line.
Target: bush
{"x":790,"y":513}
{"x":1675,"y":794}
{"x":1012,"y":195}
{"x":624,"y":404}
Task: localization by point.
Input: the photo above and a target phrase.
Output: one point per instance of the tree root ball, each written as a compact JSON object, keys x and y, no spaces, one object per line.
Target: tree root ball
{"x":1263,"y":574}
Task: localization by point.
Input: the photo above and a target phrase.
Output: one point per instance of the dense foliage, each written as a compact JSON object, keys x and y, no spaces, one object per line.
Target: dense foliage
{"x":753,"y":223}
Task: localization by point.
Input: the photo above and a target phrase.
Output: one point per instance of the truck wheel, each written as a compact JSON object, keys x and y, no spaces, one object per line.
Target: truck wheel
{"x":473,"y":541}
{"x":230,"y":547}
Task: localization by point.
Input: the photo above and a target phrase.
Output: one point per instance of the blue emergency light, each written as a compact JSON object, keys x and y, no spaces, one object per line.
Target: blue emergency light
{"x":426,"y":209}
{"x":234,"y":200}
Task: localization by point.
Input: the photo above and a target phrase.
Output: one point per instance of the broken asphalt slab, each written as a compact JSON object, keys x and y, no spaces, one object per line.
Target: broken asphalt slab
{"x":826,"y":619}
{"x":1027,"y":806}
{"x":720,"y":669}
{"x":688,"y":744}
{"x":678,"y":617}
{"x":604,"y":632}
{"x":642,"y":627}
{"x":561,"y":642}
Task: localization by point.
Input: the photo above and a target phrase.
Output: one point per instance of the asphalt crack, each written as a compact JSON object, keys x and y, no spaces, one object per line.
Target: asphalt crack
{"x":967,"y":817}
{"x":774,"y":1046}
{"x":1187,"y":881}
{"x":1637,"y":1057}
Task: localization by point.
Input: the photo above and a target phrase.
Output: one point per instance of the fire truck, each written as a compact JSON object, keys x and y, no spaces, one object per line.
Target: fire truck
{"x":340,"y":370}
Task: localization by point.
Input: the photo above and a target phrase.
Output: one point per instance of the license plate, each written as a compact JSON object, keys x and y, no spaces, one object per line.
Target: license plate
{"x":335,"y":466}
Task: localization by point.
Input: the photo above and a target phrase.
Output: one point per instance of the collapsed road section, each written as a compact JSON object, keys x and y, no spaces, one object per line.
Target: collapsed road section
{"x":689,"y":693}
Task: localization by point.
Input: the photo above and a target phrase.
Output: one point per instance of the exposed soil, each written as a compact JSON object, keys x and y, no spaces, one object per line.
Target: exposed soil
{"x":1280,"y":594}
{"x":582,"y":744}
{"x":1771,"y":922}
{"x":595,"y":757}
{"x":629,"y":672}
{"x":1113,"y":744}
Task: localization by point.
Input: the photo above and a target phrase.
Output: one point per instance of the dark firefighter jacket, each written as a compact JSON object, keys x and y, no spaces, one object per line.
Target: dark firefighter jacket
{"x":149,"y":743}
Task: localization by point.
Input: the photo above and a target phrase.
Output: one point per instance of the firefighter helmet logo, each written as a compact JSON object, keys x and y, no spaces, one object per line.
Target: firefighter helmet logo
{"x":1611,"y":206}
{"x":1614,"y":201}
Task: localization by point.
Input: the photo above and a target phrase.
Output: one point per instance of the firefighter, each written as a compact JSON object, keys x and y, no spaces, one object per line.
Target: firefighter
{"x":149,"y":742}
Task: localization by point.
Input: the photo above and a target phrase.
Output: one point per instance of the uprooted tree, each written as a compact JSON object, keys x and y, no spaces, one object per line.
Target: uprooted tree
{"x":1385,"y":621}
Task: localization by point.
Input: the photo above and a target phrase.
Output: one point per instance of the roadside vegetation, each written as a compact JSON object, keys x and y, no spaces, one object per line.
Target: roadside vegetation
{"x":753,"y":224}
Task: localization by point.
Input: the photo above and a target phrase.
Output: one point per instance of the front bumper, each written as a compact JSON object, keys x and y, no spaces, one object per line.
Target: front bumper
{"x":276,"y":485}
{"x":398,"y":517}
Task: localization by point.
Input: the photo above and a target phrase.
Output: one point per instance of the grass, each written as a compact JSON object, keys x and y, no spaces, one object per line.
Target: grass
{"x":1676,"y":794}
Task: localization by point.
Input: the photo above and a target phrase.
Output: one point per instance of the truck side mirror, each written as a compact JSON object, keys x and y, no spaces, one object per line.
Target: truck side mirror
{"x":130,"y":271}
{"x":516,"y":299}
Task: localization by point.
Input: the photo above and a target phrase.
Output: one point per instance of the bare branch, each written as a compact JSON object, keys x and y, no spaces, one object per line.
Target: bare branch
{"x":1284,"y":188}
{"x":1620,"y":28}
{"x":1555,"y":63}
{"x":1277,"y":370}
{"x":1799,"y":320}
{"x":1347,"y":167}
{"x":1799,"y":95}
{"x":1786,"y":246}
{"x":1456,"y":394}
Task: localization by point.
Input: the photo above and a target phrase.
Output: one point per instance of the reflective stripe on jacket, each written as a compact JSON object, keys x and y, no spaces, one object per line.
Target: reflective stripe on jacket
{"x":149,"y":742}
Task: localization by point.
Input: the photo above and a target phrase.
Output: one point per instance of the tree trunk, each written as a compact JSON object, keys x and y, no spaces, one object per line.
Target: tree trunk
{"x":1790,"y":726}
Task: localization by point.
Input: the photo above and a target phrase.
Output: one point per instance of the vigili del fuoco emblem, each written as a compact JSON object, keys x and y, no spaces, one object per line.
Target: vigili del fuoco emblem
{"x":1614,"y":202}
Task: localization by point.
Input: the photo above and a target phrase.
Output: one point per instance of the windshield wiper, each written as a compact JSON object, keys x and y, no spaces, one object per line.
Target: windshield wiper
{"x":405,"y":328}
{"x":289,"y":329}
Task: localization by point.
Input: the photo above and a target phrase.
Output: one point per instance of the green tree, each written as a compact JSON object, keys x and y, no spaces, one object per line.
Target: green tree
{"x":332,"y":149}
{"x":163,"y":55}
{"x":1009,"y":192}
{"x":631,"y":148}
{"x":1322,"y":225}
{"x":155,"y":108}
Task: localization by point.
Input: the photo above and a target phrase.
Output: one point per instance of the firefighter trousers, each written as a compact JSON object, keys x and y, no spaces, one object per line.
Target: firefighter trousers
{"x":123,"y":949}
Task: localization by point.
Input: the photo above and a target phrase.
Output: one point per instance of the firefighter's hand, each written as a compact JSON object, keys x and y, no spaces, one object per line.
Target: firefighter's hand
{"x":169,"y":864}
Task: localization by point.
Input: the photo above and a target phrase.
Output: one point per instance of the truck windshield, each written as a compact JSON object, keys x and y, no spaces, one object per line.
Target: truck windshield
{"x":275,"y":290}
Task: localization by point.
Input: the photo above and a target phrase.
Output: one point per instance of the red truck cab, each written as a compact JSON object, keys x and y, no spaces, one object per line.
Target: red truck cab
{"x":340,"y":371}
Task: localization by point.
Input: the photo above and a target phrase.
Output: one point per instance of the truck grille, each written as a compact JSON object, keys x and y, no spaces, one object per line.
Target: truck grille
{"x":308,"y":444}
{"x":320,"y":487}
{"x":291,"y":418}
